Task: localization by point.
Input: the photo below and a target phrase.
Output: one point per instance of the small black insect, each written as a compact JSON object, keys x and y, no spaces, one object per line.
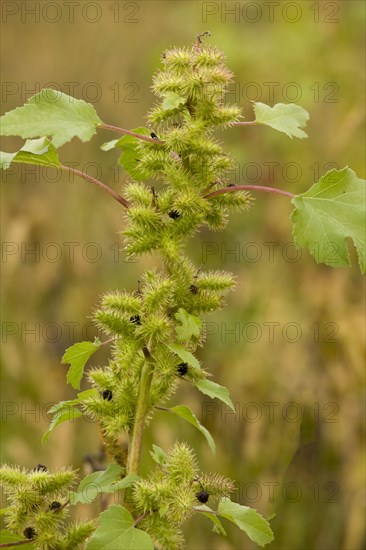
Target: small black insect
{"x":182,"y":369}
{"x":107,"y":395}
{"x":153,"y":135}
{"x":194,"y":289}
{"x":55,"y":506}
{"x":231,"y":185}
{"x":135,"y":319}
{"x":174,"y":214}
{"x":202,"y":496}
{"x":29,"y":533}
{"x":40,"y":468}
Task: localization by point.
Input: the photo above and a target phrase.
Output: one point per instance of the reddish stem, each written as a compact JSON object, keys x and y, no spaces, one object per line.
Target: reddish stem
{"x":140,"y":518}
{"x":129,"y":133}
{"x":244,"y":123}
{"x":249,"y":188}
{"x":18,"y":543}
{"x":100,"y":184}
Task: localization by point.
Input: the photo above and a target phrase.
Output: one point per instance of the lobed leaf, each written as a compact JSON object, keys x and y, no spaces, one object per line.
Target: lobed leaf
{"x":172,"y":101}
{"x":116,"y":530}
{"x":35,"y":151}
{"x":106,"y":481}
{"x":287,"y":118}
{"x":248,"y":520}
{"x":77,"y":355}
{"x":190,"y":325}
{"x":51,"y":113}
{"x":330,"y":212}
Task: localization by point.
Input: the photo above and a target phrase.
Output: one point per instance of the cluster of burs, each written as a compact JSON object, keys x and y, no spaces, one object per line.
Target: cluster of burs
{"x":186,"y":166}
{"x":187,"y":163}
{"x":38,"y":507}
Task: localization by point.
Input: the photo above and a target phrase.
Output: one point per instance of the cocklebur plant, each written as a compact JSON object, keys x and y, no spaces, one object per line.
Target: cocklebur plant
{"x":178,"y":184}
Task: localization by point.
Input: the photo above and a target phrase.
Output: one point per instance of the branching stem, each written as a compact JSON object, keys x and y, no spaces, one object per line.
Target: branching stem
{"x":140,"y":518}
{"x":249,"y":188}
{"x":129,"y":133}
{"x":12,"y":544}
{"x":100,"y":184}
{"x":244,"y":123}
{"x":206,"y":511}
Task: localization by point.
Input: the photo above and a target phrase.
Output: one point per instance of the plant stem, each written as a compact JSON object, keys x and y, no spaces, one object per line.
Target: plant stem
{"x":18,"y":543}
{"x":206,"y":511}
{"x":249,"y":188}
{"x":100,"y":184}
{"x":129,"y":133}
{"x":140,"y":518}
{"x":248,"y":123}
{"x":133,"y":459}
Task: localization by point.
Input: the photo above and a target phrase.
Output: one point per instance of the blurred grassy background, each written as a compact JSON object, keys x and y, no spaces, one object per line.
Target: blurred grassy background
{"x":295,"y":444}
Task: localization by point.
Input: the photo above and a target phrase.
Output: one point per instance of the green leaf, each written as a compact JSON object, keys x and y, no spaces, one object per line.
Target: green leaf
{"x":106,"y":481}
{"x":185,"y":412}
{"x":130,"y":157}
{"x":330,"y":212}
{"x":51,"y":113}
{"x":116,"y":531}
{"x":63,"y":415}
{"x":126,"y":141}
{"x":158,"y":455}
{"x":66,"y":404}
{"x":287,"y":118}
{"x":67,"y":410}
{"x":127,"y":481}
{"x":185,"y":355}
{"x":248,"y":520}
{"x":172,"y":101}
{"x":7,"y":536}
{"x":218,"y":527}
{"x":34,"y":151}
{"x":214,"y":390}
{"x":190,"y":325}
{"x":77,"y":355}
{"x":108,"y":145}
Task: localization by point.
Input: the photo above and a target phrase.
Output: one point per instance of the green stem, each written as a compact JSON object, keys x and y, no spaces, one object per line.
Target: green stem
{"x":134,"y":452}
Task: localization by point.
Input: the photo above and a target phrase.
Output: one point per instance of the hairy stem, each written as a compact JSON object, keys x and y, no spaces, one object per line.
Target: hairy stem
{"x":134,"y":452}
{"x":249,"y":188}
{"x":244,"y":123}
{"x":100,"y":184}
{"x":128,"y":132}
